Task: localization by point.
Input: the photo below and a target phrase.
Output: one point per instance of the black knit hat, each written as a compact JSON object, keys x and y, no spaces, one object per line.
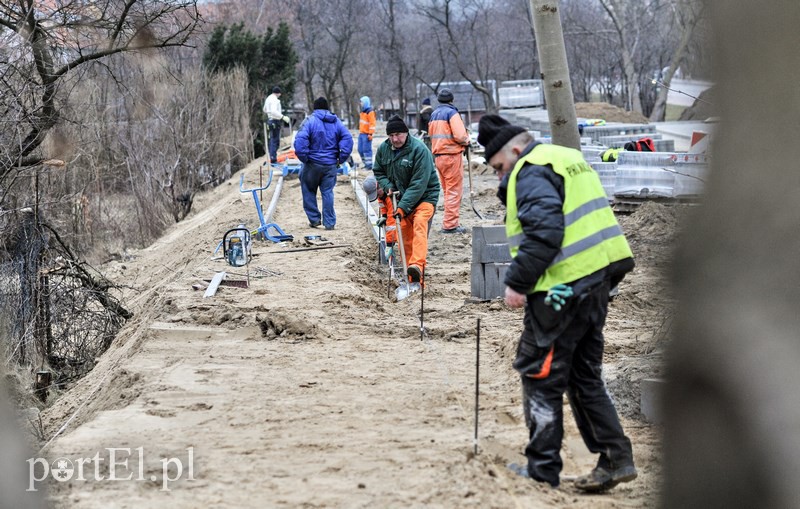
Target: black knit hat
{"x":396,"y":125}
{"x":445,"y":96}
{"x":427,"y":100}
{"x":276,"y":89}
{"x":494,"y":132}
{"x":320,"y":103}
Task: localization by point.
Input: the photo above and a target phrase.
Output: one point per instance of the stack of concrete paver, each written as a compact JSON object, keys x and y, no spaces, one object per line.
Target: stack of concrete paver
{"x":490,"y":260}
{"x":608,"y":175}
{"x":598,"y":131}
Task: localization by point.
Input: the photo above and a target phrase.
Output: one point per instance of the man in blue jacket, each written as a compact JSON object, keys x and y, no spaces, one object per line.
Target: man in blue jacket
{"x":322,"y":143}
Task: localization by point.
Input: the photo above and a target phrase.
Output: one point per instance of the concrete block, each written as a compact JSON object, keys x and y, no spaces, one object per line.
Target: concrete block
{"x":491,"y":234}
{"x":477,"y":281}
{"x":650,"y":406}
{"x":494,"y":274}
{"x":494,"y":253}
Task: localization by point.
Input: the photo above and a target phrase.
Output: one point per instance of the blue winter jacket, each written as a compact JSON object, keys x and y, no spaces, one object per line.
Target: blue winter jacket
{"x":323,"y":140}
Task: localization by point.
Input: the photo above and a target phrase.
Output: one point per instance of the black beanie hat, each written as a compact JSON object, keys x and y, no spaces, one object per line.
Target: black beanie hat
{"x":320,"y":103}
{"x":426,"y":101}
{"x":445,"y":96}
{"x":396,"y":125}
{"x":494,"y":132}
{"x":276,"y":89}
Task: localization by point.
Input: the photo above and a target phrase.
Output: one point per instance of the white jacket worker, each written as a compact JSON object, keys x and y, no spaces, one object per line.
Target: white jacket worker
{"x":274,"y":112}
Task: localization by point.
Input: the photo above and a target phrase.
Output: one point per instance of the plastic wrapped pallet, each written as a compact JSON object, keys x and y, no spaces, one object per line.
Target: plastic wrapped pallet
{"x":608,"y":175}
{"x":660,"y":175}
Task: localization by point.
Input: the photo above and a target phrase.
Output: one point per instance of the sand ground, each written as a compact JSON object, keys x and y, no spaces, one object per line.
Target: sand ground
{"x":311,"y":388}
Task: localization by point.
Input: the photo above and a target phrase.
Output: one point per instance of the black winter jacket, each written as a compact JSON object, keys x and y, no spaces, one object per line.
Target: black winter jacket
{"x":540,"y":198}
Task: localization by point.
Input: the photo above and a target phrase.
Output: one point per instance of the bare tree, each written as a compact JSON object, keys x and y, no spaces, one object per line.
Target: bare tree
{"x":328,"y":40}
{"x":50,"y":41}
{"x":463,"y":26}
{"x":687,"y":14}
{"x":634,"y":23}
{"x":393,"y":45}
{"x":45,"y":48}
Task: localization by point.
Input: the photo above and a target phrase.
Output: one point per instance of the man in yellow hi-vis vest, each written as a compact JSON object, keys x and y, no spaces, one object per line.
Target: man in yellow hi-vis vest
{"x":568,"y":252}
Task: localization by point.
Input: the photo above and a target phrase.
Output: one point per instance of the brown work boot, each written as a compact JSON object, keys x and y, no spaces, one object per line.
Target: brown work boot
{"x":414,"y":274}
{"x":601,"y":479}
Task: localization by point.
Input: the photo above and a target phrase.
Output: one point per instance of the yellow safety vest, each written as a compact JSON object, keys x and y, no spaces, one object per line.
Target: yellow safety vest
{"x":610,"y":155}
{"x":592,"y":237}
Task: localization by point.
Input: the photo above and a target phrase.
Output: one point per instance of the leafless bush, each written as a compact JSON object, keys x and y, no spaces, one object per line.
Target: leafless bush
{"x":58,"y":313}
{"x":138,"y":151}
{"x":139,"y":130}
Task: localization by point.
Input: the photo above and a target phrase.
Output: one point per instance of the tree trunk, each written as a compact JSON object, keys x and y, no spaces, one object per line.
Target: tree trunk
{"x":660,"y":108}
{"x":616,"y":10}
{"x":555,"y":73}
{"x":732,"y":403}
{"x":633,"y":102}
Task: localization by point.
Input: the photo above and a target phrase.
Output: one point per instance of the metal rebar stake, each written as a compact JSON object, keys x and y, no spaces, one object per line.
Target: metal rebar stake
{"x":422,"y":306}
{"x":477,"y":383}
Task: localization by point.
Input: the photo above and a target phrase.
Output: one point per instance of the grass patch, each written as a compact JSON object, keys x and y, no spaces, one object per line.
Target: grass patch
{"x":673,"y":112}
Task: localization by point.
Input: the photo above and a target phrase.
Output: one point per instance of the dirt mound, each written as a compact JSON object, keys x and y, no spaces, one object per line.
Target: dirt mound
{"x":655,"y":219}
{"x":609,"y":113}
{"x":702,"y":108}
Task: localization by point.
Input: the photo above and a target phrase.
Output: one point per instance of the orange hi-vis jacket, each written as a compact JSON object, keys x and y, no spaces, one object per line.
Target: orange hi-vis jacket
{"x":366,"y":124}
{"x":447,"y":131}
{"x":387,"y":210}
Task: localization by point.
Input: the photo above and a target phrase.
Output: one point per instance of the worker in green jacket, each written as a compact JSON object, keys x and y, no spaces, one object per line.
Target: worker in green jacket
{"x":404,"y":165}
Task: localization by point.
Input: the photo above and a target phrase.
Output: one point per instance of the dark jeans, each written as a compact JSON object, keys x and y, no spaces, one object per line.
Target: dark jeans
{"x":365,"y":150}
{"x":274,"y":139}
{"x":313,"y":177}
{"x":575,"y":367}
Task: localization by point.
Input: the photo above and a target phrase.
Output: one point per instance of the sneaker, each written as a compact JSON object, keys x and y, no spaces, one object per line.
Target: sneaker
{"x":457,"y":229}
{"x":601,"y":479}
{"x":331,"y":227}
{"x":414,"y":274}
{"x":314,"y":224}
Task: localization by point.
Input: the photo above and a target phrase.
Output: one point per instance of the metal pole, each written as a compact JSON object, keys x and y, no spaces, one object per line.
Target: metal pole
{"x":477,"y":383}
{"x":269,"y":161}
{"x":398,"y":224}
{"x":390,"y":262}
{"x":422,"y":307}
